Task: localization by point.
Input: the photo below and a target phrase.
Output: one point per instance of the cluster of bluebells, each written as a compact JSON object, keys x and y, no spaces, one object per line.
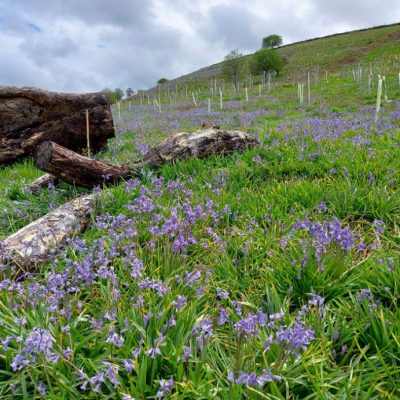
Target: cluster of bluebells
{"x":324,"y":234}
{"x":115,"y":264}
{"x":292,"y":339}
{"x":252,"y":379}
{"x":39,"y":342}
{"x":356,"y":129}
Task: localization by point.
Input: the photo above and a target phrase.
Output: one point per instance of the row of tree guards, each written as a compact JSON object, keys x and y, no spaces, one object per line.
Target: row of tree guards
{"x":216,"y":90}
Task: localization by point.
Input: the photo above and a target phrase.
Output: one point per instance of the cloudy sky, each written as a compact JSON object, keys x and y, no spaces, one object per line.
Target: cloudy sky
{"x":86,"y":45}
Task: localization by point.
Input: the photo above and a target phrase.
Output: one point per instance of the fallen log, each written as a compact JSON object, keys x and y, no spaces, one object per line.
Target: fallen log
{"x":29,"y":116}
{"x":75,"y":169}
{"x":32,"y":244}
{"x":82,"y":171}
{"x":40,"y":183}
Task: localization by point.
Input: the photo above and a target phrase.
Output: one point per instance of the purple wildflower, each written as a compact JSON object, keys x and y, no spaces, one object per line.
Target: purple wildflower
{"x":166,"y":386}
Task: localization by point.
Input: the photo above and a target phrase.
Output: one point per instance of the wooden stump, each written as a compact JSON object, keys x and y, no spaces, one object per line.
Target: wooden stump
{"x":29,"y":116}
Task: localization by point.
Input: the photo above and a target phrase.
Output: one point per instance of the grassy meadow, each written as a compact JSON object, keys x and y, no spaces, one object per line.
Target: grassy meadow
{"x":268,"y":274}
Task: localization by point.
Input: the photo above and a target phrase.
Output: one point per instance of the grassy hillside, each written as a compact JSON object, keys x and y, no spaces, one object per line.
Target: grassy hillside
{"x":268,"y":274}
{"x":326,"y":53}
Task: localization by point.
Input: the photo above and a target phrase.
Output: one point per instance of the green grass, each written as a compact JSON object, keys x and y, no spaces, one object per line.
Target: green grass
{"x":326,"y":167}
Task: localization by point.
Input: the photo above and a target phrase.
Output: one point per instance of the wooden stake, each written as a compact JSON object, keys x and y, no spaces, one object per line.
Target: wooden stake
{"x":87,"y":133}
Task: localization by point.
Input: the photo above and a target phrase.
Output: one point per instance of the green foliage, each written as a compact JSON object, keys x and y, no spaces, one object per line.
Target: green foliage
{"x":271,"y":41}
{"x":161,"y":81}
{"x":114,"y":95}
{"x":234,"y":68}
{"x":266,"y":60}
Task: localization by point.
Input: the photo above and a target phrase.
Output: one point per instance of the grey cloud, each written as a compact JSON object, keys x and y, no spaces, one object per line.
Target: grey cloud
{"x":232,"y":25}
{"x":43,"y":51}
{"x":85,"y":45}
{"x":95,"y":12}
{"x":363,"y":13}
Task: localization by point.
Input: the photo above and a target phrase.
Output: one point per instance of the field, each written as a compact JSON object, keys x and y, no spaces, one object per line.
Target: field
{"x":268,"y":274}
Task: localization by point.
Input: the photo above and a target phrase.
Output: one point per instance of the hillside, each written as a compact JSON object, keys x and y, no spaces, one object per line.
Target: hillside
{"x":272,"y":273}
{"x":330,"y":53}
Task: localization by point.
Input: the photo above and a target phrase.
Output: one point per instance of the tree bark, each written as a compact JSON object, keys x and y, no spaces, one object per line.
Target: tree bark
{"x":32,"y":244}
{"x":44,"y":181}
{"x":82,"y":171}
{"x":75,"y":169}
{"x":29,"y":116}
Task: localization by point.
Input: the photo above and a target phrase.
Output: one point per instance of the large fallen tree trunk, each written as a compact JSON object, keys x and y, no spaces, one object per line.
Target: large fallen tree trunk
{"x":32,"y":244}
{"x":82,"y":171}
{"x":29,"y":116}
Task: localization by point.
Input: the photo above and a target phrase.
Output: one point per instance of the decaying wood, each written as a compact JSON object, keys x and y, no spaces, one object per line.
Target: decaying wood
{"x":29,"y":116}
{"x":40,"y":183}
{"x":32,"y":244}
{"x":75,"y":169}
{"x":82,"y":171}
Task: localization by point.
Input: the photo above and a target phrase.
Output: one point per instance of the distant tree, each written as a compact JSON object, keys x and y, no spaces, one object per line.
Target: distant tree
{"x":161,"y":81}
{"x":129,"y":92}
{"x":234,"y":68}
{"x":271,"y":41}
{"x":266,"y":60}
{"x":114,"y":95}
{"x":119,"y":93}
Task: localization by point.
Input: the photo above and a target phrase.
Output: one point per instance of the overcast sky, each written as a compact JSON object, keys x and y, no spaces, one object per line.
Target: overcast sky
{"x":86,"y":45}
